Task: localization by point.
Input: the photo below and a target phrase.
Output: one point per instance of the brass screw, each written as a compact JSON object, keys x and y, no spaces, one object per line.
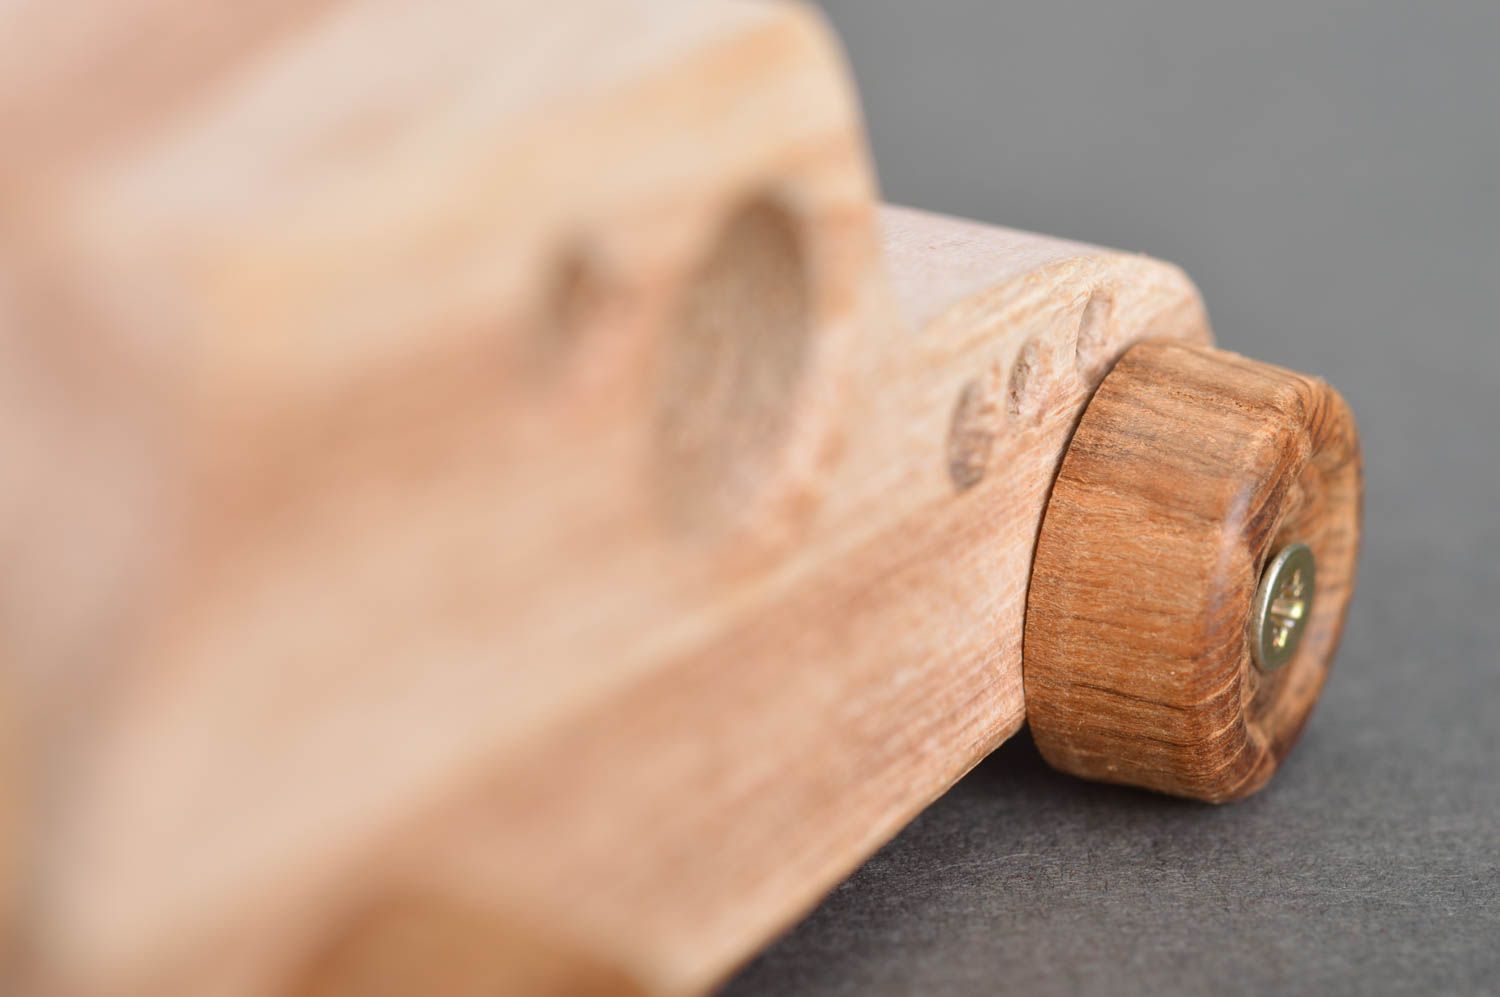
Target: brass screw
{"x":1283,"y":604}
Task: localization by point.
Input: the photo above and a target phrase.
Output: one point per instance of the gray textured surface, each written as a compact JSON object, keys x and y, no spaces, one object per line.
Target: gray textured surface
{"x":1328,"y":173}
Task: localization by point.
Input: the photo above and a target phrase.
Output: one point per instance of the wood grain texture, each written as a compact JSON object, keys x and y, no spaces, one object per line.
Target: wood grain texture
{"x":336,"y":411}
{"x":855,"y":681}
{"x":1190,"y":469}
{"x":523,"y":498}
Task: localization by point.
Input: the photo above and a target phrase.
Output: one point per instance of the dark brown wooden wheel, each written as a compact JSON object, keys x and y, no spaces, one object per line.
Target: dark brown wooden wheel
{"x":1177,"y":637}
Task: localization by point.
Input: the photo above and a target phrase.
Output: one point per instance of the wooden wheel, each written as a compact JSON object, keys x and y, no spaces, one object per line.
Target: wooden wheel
{"x":1191,"y":471}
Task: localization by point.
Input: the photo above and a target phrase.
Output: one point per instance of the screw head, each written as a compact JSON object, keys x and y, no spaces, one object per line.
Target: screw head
{"x":1283,"y":605}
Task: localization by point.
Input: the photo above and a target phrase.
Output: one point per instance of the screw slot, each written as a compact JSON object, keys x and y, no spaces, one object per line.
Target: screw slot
{"x":1283,"y":604}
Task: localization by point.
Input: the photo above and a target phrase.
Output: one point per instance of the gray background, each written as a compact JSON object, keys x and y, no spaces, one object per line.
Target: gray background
{"x":1328,"y":174}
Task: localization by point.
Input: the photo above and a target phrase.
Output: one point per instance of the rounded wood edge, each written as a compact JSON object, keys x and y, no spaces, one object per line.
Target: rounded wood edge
{"x":1189,"y":470}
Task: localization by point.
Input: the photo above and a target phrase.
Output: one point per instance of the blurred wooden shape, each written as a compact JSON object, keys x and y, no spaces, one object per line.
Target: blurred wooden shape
{"x":472,"y":459}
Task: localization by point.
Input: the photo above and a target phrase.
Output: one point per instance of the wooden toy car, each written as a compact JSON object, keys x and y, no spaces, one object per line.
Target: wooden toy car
{"x":496,"y":504}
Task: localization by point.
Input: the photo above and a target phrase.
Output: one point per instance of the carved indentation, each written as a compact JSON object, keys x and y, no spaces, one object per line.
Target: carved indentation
{"x":1093,"y":332}
{"x":1025,"y":382}
{"x":971,"y":436}
{"x":731,"y":360}
{"x":573,"y":302}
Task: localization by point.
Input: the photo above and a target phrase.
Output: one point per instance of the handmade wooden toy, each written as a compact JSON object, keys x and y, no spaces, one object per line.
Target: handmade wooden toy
{"x":493,"y":503}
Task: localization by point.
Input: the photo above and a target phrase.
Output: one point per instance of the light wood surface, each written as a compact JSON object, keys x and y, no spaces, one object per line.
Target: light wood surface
{"x":495,"y":502}
{"x":679,"y":823}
